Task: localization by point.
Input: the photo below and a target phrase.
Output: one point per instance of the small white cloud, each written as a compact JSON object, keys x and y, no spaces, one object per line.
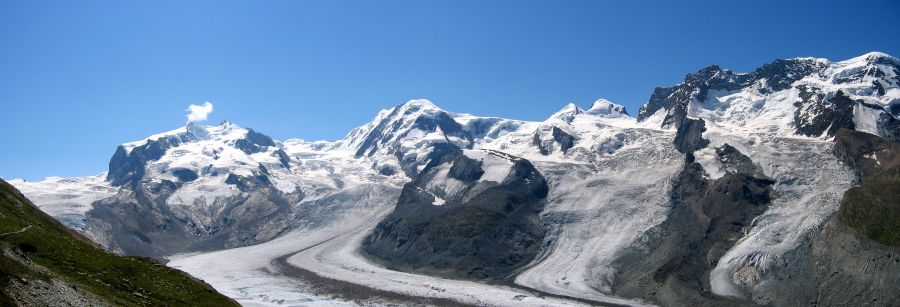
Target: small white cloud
{"x":199,"y":113}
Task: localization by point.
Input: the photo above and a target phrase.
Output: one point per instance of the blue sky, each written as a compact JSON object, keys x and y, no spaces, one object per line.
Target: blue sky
{"x":78,"y":78}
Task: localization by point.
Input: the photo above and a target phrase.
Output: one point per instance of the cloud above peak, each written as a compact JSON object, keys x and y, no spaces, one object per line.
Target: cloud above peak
{"x":198,"y":113}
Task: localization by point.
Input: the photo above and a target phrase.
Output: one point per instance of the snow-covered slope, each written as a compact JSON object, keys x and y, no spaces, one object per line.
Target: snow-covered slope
{"x":401,"y":138}
{"x":67,"y":199}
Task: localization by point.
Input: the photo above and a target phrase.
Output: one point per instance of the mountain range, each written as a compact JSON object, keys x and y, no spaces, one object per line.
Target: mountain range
{"x":778,"y":186}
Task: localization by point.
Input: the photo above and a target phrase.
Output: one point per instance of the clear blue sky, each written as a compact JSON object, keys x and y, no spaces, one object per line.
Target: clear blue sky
{"x":78,"y":78}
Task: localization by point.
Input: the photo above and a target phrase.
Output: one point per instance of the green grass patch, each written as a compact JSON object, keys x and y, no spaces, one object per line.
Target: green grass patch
{"x":873,"y":208}
{"x":73,"y":258}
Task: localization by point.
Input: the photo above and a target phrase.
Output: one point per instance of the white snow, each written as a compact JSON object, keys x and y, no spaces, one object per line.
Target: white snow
{"x":606,"y":108}
{"x":66,"y":199}
{"x":495,"y":167}
{"x":708,"y":159}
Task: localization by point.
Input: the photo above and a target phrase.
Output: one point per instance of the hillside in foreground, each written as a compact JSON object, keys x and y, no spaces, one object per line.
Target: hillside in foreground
{"x":42,"y":263}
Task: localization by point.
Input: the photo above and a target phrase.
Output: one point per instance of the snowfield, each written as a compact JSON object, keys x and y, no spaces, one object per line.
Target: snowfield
{"x":66,"y":199}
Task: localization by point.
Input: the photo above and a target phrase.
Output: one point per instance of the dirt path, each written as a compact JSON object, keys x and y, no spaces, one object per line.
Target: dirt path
{"x":15,"y":232}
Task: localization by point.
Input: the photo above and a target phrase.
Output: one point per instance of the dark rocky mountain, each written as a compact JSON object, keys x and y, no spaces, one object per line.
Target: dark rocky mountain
{"x":484,"y":230}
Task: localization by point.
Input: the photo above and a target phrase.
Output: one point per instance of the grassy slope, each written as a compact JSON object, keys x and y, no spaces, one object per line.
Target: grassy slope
{"x":873,"y":208}
{"x":75,"y":260}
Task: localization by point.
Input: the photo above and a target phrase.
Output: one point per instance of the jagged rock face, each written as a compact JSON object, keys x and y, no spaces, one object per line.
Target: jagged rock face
{"x":889,"y":125}
{"x":690,"y":137}
{"x":818,"y":115}
{"x":126,"y":167}
{"x":548,"y":141}
{"x":464,"y":217}
{"x":254,"y":142}
{"x":857,"y":94}
{"x":781,"y":74}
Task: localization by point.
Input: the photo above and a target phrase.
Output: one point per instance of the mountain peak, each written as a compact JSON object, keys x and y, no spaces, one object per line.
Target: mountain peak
{"x":607,"y":108}
{"x":419,"y":104}
{"x":567,"y":113}
{"x":875,"y":57}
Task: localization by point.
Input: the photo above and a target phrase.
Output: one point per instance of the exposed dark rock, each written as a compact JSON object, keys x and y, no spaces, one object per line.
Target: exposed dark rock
{"x":865,"y":153}
{"x":781,"y":74}
{"x":283,"y":158}
{"x":869,"y":72}
{"x":894,"y":109}
{"x":689,"y":137}
{"x":675,"y":99}
{"x":125,"y":167}
{"x":465,"y":169}
{"x":486,"y":237}
{"x":658,"y":100}
{"x":736,"y":162}
{"x":259,"y":138}
{"x":564,"y":140}
{"x":817,"y":115}
{"x":185,"y":175}
{"x":889,"y":126}
{"x":248,"y":183}
{"x":387,"y":171}
{"x":850,"y":270}
{"x":254,"y":142}
{"x":409,"y":164}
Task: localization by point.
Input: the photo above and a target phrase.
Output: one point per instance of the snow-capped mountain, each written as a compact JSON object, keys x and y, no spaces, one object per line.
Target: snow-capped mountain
{"x":723,"y":190}
{"x":401,"y":138}
{"x":805,"y":96}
